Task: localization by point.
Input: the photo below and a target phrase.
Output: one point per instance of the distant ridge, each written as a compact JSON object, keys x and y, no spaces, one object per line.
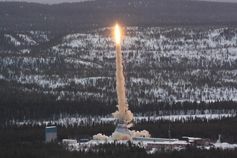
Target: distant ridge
{"x":46,"y":1}
{"x":77,"y":16}
{"x":75,"y":1}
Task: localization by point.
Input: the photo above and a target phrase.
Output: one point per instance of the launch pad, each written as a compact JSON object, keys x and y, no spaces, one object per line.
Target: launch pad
{"x":121,"y":132}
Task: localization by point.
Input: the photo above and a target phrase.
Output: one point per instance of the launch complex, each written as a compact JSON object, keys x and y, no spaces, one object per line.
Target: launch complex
{"x":124,"y":117}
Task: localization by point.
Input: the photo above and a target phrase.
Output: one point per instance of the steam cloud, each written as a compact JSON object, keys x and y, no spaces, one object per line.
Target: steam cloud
{"x":143,"y":133}
{"x":121,"y":136}
{"x":100,"y":136}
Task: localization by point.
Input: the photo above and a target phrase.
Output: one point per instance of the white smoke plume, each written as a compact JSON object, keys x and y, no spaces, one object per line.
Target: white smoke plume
{"x":100,"y":136}
{"x":123,"y":113}
{"x":121,"y":136}
{"x":143,"y":133}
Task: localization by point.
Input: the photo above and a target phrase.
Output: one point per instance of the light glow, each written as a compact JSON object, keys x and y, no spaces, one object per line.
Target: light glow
{"x":117,"y":34}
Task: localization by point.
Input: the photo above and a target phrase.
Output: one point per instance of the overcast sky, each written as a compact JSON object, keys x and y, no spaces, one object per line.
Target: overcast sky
{"x":48,"y":1}
{"x":60,"y":1}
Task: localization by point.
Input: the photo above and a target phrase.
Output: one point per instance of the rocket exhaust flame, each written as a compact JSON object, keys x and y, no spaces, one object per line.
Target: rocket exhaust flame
{"x":123,"y":114}
{"x":117,"y":34}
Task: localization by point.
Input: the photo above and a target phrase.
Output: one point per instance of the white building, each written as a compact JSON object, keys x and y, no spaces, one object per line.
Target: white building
{"x":50,"y":134}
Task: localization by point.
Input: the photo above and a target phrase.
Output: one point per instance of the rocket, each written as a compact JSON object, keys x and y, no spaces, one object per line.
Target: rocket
{"x":123,"y":114}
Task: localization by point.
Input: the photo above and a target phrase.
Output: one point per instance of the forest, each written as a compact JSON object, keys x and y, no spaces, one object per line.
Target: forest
{"x":15,"y":104}
{"x":28,"y":141}
{"x":196,"y":128}
{"x":57,"y":60}
{"x":41,"y":150}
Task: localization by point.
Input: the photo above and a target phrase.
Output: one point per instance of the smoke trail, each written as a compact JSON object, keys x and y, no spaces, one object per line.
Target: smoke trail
{"x":123,"y":113}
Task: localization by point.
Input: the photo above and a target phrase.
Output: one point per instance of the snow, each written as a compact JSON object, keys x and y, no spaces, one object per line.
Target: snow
{"x":72,"y":145}
{"x":12,"y":39}
{"x":186,"y":117}
{"x":88,"y":120}
{"x":86,"y":146}
{"x":191,"y":138}
{"x":2,"y":77}
{"x":139,"y":43}
{"x":41,"y":81}
{"x":88,"y":80}
{"x":140,"y":80}
{"x":27,"y":39}
{"x":69,"y":141}
{"x":225,"y":146}
{"x":82,"y":62}
{"x":84,"y":40}
{"x":206,"y":54}
{"x":40,"y":36}
{"x":25,"y":51}
{"x":178,"y":142}
{"x":152,"y":151}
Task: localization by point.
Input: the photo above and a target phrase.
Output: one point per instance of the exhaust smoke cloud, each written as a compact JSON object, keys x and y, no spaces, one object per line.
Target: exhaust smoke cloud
{"x":123,"y":114}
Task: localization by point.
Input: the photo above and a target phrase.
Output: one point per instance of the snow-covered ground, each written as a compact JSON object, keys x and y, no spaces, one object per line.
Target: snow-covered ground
{"x":225,"y":146}
{"x":27,"y":39}
{"x":161,"y":64}
{"x":89,"y":120}
{"x":12,"y":39}
{"x":73,"y":145}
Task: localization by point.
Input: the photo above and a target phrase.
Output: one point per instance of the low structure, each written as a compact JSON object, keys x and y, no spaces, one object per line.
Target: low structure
{"x":151,"y":145}
{"x":121,"y":132}
{"x":197,"y":141}
{"x":69,"y":141}
{"x":50,"y":134}
{"x":70,"y":144}
{"x":161,"y":144}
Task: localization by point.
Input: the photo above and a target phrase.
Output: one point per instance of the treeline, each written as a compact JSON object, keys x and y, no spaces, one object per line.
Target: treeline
{"x":15,"y":104}
{"x":28,"y":141}
{"x":18,"y":104}
{"x":41,"y":150}
{"x":203,"y":128}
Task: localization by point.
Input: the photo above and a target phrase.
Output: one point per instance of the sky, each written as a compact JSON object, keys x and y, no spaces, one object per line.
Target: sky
{"x":60,"y":1}
{"x":48,"y":1}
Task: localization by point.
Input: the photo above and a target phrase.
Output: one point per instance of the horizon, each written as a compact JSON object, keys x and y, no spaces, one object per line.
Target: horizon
{"x":75,"y":1}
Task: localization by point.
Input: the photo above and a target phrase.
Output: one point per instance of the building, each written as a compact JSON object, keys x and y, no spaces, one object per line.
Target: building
{"x":161,"y":144}
{"x":167,"y":145}
{"x":197,"y":141}
{"x":69,"y":141}
{"x":50,"y":134}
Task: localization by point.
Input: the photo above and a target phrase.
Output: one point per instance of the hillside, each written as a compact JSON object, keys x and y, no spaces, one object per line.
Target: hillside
{"x":93,"y":14}
{"x":59,"y":55}
{"x":161,"y":64}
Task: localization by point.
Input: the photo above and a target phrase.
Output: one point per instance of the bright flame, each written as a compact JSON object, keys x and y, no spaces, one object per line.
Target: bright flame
{"x":117,"y":34}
